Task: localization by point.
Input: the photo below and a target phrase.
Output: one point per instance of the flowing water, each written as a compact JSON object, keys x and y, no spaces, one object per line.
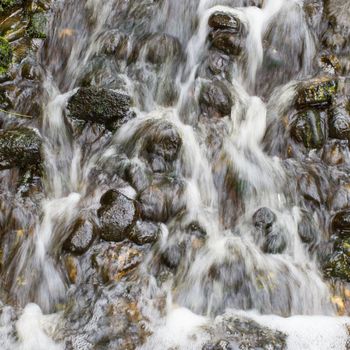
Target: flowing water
{"x":227,"y":168}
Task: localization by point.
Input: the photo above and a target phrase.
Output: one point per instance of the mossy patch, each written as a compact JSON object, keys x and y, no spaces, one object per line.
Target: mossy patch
{"x":6,"y":4}
{"x":5,"y":55}
{"x":317,"y":93}
{"x":37,"y":26}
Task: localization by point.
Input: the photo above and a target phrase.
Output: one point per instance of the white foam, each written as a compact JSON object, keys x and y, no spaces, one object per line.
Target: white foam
{"x":32,"y":328}
{"x":308,"y":332}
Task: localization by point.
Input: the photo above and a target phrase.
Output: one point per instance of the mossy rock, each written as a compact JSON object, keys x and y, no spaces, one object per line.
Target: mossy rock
{"x":338,"y":266}
{"x":19,"y":147}
{"x":317,"y":93}
{"x":5,"y":55}
{"x":37,"y":26}
{"x":309,"y":129}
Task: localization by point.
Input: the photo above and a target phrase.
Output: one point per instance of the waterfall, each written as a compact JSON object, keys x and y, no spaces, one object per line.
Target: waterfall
{"x":180,"y":114}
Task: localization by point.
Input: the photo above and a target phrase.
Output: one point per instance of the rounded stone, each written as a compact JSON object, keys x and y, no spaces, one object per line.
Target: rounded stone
{"x":117,"y":215}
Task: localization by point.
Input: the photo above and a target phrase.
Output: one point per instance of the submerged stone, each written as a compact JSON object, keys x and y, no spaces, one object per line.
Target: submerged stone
{"x":215,"y":99}
{"x":144,"y":232}
{"x":158,"y":49}
{"x":117,"y":216}
{"x":162,"y":47}
{"x":227,"y":41}
{"x":307,"y":229}
{"x":99,"y":105}
{"x":81,"y":237}
{"x":275,"y":243}
{"x":19,"y":147}
{"x":339,"y":124}
{"x":309,"y":129}
{"x":316,"y":93}
{"x":162,"y":146}
{"x":263,"y":219}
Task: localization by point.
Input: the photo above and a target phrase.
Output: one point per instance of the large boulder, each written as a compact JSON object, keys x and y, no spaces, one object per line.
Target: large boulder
{"x":117,"y":216}
{"x":19,"y":147}
{"x":99,"y":105}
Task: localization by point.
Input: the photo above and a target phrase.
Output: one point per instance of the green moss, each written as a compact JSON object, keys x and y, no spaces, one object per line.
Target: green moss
{"x":5,"y":55}
{"x":37,"y":26}
{"x":309,"y":130}
{"x":318,"y":92}
{"x":6,"y":4}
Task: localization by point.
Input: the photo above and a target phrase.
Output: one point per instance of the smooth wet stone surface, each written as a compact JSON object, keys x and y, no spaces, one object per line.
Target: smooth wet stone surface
{"x":117,"y":215}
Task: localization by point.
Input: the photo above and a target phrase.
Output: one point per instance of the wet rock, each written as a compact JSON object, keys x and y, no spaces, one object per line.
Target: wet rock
{"x":5,"y":55}
{"x":81,"y":237}
{"x":218,"y":62}
{"x":19,"y":147}
{"x":100,"y":105}
{"x":117,"y":216}
{"x":161,"y":47}
{"x":330,"y":64}
{"x":196,"y":230}
{"x":153,"y":204}
{"x":339,"y":198}
{"x":237,"y":332}
{"x":307,"y":228}
{"x":117,"y":260}
{"x":316,"y":93}
{"x":275,"y":243}
{"x":227,"y":41}
{"x":339,"y":124}
{"x":171,"y":257}
{"x":338,"y":265}
{"x":308,"y":186}
{"x":222,"y":20}
{"x":116,"y":43}
{"x":138,"y":176}
{"x":215,"y":99}
{"x":341,"y":223}
{"x":144,"y":232}
{"x":158,"y":49}
{"x":263,"y":219}
{"x":309,"y":129}
{"x":162,"y":201}
{"x":162,"y":146}
{"x":336,"y":152}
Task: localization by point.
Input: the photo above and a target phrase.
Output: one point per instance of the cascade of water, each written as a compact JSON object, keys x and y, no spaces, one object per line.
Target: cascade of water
{"x":220,"y":175}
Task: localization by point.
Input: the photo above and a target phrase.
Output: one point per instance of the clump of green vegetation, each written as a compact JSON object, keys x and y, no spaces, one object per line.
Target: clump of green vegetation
{"x":37,"y":26}
{"x":5,"y":4}
{"x":5,"y":55}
